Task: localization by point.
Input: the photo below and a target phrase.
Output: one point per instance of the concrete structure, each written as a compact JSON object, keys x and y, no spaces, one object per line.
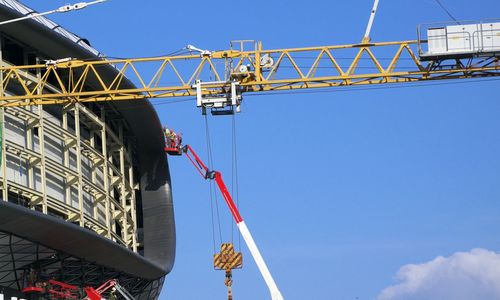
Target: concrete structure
{"x":85,"y":188}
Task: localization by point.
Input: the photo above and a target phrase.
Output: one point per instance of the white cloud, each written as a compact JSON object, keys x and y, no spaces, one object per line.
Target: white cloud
{"x":462,"y":276}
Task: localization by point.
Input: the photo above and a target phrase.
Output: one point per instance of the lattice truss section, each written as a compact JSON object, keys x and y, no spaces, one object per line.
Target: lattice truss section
{"x":256,"y":70}
{"x":18,"y":255}
{"x":69,"y":163}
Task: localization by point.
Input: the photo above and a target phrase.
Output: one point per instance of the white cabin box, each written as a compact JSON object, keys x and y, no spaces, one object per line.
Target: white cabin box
{"x":464,"y":39}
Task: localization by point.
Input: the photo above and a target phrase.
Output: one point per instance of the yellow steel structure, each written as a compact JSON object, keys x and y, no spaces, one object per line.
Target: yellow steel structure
{"x":257,"y":70}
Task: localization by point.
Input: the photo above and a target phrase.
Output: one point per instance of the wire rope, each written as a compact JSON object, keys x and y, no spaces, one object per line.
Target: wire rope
{"x":235,"y":172}
{"x":213,"y":193}
{"x":232,"y":175}
{"x":365,"y":88}
{"x":447,"y":11}
{"x":157,"y":102}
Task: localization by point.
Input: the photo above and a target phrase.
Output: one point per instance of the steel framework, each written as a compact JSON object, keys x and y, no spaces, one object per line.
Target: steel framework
{"x":18,"y":256}
{"x":91,"y":162}
{"x":68,"y":81}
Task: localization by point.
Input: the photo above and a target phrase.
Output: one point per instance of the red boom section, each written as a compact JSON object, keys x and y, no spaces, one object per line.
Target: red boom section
{"x":96,"y":294}
{"x":227,"y":197}
{"x":196,"y":161}
{"x":61,"y":290}
{"x":56,"y":290}
{"x":217,"y":176}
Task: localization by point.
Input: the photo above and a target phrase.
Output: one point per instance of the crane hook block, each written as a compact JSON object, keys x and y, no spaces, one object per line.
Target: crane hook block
{"x":228,"y":259}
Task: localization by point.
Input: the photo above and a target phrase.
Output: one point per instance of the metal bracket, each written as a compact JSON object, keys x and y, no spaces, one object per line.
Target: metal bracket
{"x":220,"y":101}
{"x":203,"y":53}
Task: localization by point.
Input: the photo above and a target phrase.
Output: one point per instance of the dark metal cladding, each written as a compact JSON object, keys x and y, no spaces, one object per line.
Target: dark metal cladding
{"x":74,"y":240}
{"x":19,"y":254}
{"x":158,"y":216}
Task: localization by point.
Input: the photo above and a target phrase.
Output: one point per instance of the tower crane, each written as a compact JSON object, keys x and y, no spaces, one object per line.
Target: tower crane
{"x":219,"y":79}
{"x":238,"y":71}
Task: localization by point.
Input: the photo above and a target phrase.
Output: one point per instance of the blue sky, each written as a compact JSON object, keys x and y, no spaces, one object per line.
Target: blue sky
{"x":340,"y":189}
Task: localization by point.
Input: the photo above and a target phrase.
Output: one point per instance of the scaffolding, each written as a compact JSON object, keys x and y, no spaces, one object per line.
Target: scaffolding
{"x":71,"y":163}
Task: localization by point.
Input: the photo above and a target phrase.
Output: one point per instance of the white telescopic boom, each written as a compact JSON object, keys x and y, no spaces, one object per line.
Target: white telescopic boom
{"x":259,"y":261}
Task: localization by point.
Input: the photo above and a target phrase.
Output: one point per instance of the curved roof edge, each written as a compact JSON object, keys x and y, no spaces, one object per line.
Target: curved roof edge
{"x":74,"y":240}
{"x":158,"y":215}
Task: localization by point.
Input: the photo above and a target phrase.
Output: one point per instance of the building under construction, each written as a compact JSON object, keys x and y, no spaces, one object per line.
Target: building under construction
{"x":84,"y":176}
{"x":85,"y":187}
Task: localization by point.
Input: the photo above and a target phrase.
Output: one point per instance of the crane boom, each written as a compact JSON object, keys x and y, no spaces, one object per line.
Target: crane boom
{"x":69,"y":80}
{"x":206,"y":173}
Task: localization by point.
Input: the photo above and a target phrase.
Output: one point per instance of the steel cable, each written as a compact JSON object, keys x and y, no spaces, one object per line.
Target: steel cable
{"x":447,"y":11}
{"x":213,"y":192}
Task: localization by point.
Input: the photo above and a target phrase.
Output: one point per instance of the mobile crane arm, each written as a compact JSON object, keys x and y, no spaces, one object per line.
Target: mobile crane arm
{"x":206,"y":173}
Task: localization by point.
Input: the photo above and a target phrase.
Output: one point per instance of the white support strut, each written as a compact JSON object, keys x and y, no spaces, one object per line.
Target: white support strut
{"x":370,"y":21}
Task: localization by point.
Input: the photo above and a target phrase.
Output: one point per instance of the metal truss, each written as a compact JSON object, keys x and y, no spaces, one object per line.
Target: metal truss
{"x":258,"y":70}
{"x":18,"y":256}
{"x":108,"y":184}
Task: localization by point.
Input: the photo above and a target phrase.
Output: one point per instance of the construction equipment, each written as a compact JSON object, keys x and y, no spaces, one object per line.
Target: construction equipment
{"x":36,"y":287}
{"x":113,"y":285}
{"x":67,"y":80}
{"x":172,"y":142}
{"x":53,"y":289}
{"x":228,"y":259}
{"x":239,"y":71}
{"x":366,"y":37}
